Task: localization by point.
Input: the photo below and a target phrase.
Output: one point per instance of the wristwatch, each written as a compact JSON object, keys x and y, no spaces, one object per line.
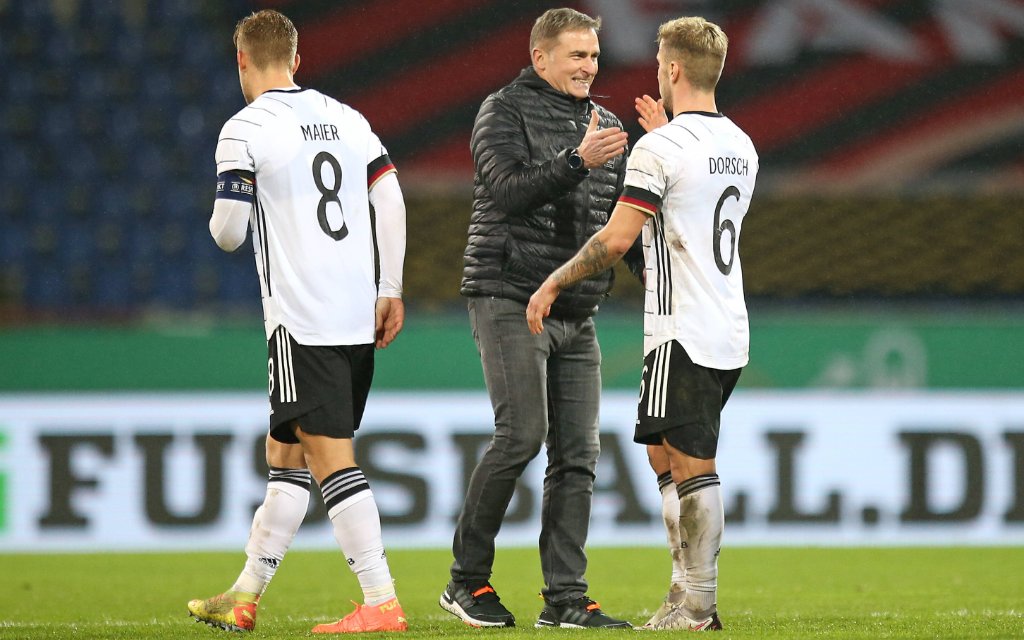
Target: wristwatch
{"x":575,"y":160}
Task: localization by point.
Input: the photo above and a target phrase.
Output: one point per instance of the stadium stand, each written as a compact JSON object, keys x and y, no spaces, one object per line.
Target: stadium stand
{"x":108,"y":130}
{"x":892,"y":158}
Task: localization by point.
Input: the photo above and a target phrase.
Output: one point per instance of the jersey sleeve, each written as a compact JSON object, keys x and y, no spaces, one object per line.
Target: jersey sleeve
{"x":378,"y":163}
{"x":646,"y":181}
{"x":233,"y":150}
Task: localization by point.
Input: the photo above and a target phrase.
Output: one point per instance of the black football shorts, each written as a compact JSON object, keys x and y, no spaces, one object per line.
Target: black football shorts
{"x":681,"y":402}
{"x":322,"y":389}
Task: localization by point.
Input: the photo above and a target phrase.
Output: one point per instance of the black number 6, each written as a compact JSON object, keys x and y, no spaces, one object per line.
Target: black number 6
{"x":721,"y":226}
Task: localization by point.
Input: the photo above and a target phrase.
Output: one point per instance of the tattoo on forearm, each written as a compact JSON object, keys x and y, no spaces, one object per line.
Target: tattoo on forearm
{"x":592,"y":258}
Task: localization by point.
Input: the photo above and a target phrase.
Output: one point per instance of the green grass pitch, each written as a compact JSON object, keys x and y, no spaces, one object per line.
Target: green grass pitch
{"x":950,"y":592}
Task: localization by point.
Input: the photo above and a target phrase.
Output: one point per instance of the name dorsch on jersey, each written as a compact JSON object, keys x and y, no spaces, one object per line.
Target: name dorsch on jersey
{"x":694,"y":178}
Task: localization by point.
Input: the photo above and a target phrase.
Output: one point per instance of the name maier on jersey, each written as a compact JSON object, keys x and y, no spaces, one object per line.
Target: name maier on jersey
{"x":309,"y":168}
{"x":694,"y":178}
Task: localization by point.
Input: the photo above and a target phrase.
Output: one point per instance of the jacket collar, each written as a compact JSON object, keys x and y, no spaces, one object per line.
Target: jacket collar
{"x":528,"y":77}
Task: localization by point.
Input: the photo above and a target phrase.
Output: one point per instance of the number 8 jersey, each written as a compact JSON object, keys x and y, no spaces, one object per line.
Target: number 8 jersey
{"x":694,"y":178}
{"x":314,"y":161}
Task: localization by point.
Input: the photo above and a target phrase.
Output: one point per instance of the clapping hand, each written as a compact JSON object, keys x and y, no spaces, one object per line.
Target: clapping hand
{"x":652,"y":113}
{"x":601,"y":145}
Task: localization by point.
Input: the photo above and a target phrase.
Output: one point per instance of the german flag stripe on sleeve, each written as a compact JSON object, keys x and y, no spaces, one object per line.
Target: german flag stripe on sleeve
{"x":377,"y":169}
{"x":641,"y":199}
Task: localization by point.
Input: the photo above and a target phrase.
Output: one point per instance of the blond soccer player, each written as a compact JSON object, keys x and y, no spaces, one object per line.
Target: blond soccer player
{"x":688,"y":187}
{"x":301,"y":169}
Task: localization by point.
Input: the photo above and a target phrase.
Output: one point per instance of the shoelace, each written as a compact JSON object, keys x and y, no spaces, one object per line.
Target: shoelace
{"x":485,"y":593}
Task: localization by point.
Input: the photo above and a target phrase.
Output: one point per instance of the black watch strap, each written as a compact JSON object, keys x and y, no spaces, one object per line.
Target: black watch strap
{"x":575,"y":160}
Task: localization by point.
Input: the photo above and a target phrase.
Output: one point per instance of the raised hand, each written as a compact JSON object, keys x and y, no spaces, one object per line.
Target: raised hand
{"x":601,"y":145}
{"x":652,"y":113}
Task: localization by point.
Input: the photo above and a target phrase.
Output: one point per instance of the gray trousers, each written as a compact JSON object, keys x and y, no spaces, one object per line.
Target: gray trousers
{"x":545,"y":390}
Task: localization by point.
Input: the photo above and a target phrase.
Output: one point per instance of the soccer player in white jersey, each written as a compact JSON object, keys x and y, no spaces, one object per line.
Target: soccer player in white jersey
{"x":302,"y":169}
{"x":688,"y":186}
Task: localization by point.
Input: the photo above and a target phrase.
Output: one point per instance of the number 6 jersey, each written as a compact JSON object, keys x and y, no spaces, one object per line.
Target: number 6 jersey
{"x":314,"y":161}
{"x":694,"y":178}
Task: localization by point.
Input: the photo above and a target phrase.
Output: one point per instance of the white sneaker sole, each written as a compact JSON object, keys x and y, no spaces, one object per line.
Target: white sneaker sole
{"x":453,"y":608}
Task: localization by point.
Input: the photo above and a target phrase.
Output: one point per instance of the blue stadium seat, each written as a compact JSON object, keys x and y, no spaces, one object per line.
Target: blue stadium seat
{"x":112,"y":202}
{"x":112,"y":288}
{"x":223,"y":92}
{"x":200,"y":53}
{"x":15,"y":163}
{"x":19,"y":119}
{"x":91,"y":84}
{"x":14,"y":203}
{"x":175,"y":285}
{"x":182,"y":203}
{"x":21,"y":83}
{"x":238,"y":281}
{"x":110,"y":241}
{"x":77,"y":160}
{"x":46,"y":286}
{"x":57,"y":123}
{"x":173,"y":239}
{"x":31,"y":15}
{"x":173,"y":12}
{"x":129,"y":50}
{"x":202,"y":246}
{"x":193,"y":127}
{"x":80,"y":279}
{"x":59,"y":46}
{"x":158,"y":86}
{"x":142,"y":241}
{"x":92,"y":128}
{"x":150,"y":162}
{"x":76,"y":244}
{"x":45,"y":203}
{"x":14,"y":244}
{"x":102,"y":14}
{"x":124,"y":124}
{"x":90,"y":124}
{"x":142,"y":280}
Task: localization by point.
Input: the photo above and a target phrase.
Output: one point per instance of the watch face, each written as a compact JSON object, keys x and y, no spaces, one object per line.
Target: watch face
{"x":575,"y":160}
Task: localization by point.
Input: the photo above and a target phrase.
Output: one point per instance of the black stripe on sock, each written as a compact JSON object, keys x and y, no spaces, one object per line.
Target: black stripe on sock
{"x":297,"y":477}
{"x":697,"y":483}
{"x":664,"y":479}
{"x":343,"y":484}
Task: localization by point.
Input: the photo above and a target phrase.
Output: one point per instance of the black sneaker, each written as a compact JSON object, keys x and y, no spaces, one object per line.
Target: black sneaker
{"x":582,"y":613}
{"x":479,"y":607}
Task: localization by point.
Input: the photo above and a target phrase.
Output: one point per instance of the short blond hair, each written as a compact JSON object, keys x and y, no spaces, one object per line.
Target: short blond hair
{"x":700,"y":45}
{"x":268,"y":37}
{"x":553,"y":22}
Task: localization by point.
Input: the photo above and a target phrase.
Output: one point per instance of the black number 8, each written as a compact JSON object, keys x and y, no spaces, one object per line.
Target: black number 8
{"x":328,"y":195}
{"x":721,"y":226}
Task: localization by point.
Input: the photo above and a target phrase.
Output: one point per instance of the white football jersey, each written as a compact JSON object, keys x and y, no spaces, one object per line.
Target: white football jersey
{"x":694,"y":178}
{"x":315,"y":160}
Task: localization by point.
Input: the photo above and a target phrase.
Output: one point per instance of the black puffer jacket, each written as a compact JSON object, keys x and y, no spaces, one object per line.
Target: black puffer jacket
{"x":531,"y":211}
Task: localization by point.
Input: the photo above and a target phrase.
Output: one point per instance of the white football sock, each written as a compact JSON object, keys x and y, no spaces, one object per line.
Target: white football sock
{"x":273,"y":528}
{"x":670,"y":516}
{"x":356,"y":521}
{"x":701,"y":519}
